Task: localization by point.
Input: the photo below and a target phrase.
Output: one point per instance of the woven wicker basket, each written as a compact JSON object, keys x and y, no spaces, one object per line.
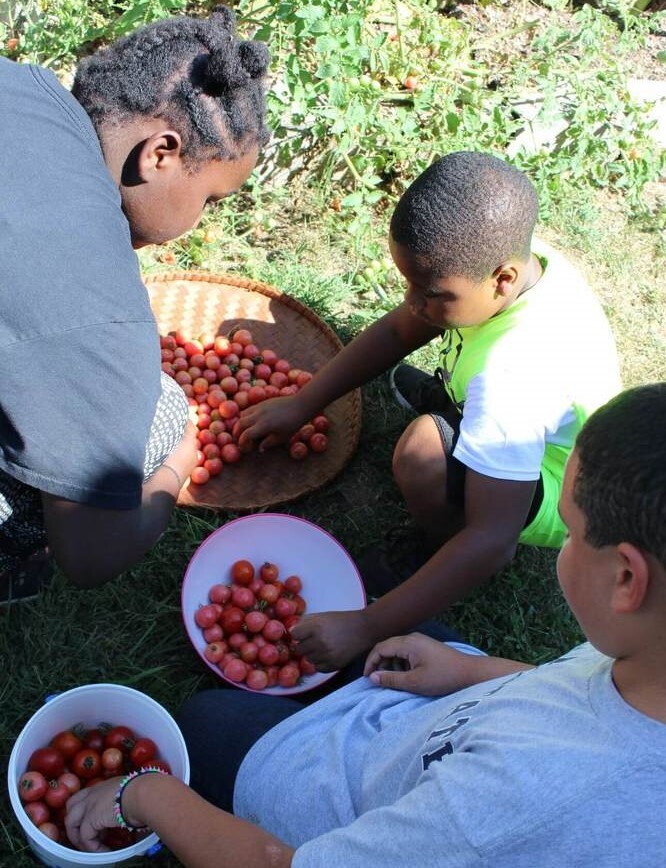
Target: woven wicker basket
{"x":199,"y":302}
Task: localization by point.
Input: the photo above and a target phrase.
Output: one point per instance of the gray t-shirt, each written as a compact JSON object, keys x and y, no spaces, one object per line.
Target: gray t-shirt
{"x":80,"y":351}
{"x":547,"y":768}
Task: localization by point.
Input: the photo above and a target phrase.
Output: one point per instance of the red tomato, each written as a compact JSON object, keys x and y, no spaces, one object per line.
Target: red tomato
{"x":121,"y":737}
{"x":232,"y":620}
{"x":257,"y":679}
{"x":242,"y":572}
{"x":57,"y":794}
{"x":242,"y":397}
{"x":272,"y":675}
{"x":269,"y":594}
{"x":306,"y":667}
{"x":229,"y":385}
{"x":300,"y":604}
{"x":246,"y":364}
{"x":282,"y":366}
{"x":50,"y":830}
{"x":255,"y":621}
{"x":192,"y":347}
{"x":236,"y":640}
{"x":219,"y":594}
{"x":303,"y":378}
{"x":215,"y":651}
{"x":291,"y":621}
{"x":248,"y":652}
{"x":256,"y":395}
{"x":256,"y":585}
{"x":47,"y":760}
{"x":271,"y":391}
{"x":269,"y":357}
{"x":228,"y":409}
{"x":225,"y":439}
{"x":235,"y":670}
{"x":32,"y":786}
{"x":319,"y":442}
{"x":67,"y":743}
{"x":268,"y":655}
{"x":205,"y":616}
{"x":242,"y":337}
{"x":269,"y":572}
{"x":112,"y":760}
{"x":277,"y":379}
{"x":242,"y":597}
{"x":243,"y":376}
{"x":321,"y":423}
{"x":143,"y":752}
{"x":213,"y":634}
{"x":273,"y":630}
{"x":221,"y":346}
{"x":283,"y":653}
{"x":206,"y":438}
{"x":93,"y":782}
{"x":293,"y":584}
{"x":87,"y":763}
{"x":213,"y":466}
{"x":411,"y":82}
{"x":211,"y":450}
{"x":289,"y":675}
{"x":199,"y":476}
{"x":38,"y":812}
{"x":306,"y":432}
{"x":71,"y":781}
{"x":262,"y":372}
{"x":284,"y":607}
{"x":94,"y":739}
{"x":298,"y":450}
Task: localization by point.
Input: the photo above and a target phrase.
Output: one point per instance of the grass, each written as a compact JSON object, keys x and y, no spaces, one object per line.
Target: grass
{"x":130,"y":632}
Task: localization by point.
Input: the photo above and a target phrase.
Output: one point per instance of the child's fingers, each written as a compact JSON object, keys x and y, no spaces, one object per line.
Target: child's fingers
{"x":389,"y":648}
{"x":394,"y":680}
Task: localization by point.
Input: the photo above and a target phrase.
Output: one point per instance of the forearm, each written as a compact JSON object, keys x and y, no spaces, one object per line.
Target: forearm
{"x":464,"y":563}
{"x":200,"y":835}
{"x":374,"y":351}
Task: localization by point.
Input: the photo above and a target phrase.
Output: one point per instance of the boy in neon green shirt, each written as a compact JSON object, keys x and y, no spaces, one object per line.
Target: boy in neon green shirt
{"x":526,"y":356}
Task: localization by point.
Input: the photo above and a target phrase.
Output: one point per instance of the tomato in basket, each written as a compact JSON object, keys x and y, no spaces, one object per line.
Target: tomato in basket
{"x":223,"y":375}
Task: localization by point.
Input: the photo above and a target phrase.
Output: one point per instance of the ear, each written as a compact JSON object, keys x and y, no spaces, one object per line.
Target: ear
{"x":632,"y":579}
{"x":505,"y":277}
{"x":161,"y":152}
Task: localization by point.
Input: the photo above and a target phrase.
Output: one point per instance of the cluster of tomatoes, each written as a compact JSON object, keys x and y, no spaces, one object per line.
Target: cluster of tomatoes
{"x":77,"y":758}
{"x":247,"y":627}
{"x":221,"y":376}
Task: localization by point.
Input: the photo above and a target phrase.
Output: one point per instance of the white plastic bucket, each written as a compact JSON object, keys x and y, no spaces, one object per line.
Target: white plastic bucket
{"x":90,"y":705}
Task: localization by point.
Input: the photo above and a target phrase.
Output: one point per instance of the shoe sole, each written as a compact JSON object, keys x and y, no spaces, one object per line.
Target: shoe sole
{"x":397,"y":394}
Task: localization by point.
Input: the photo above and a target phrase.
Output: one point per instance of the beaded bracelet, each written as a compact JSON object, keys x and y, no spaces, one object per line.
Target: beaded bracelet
{"x":117,"y":803}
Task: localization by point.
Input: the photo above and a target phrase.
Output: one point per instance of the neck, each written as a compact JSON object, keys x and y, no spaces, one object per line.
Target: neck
{"x":641,"y":681}
{"x":533,"y":274}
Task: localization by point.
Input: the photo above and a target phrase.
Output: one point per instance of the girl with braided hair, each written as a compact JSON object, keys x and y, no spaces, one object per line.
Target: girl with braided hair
{"x":94,"y":444}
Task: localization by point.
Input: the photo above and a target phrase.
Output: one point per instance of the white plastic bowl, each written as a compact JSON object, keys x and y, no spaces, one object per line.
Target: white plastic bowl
{"x":331,"y":581}
{"x":90,"y":705}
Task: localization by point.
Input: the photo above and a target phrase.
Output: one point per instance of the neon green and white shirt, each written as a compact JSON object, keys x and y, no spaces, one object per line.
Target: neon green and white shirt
{"x":527,"y":379}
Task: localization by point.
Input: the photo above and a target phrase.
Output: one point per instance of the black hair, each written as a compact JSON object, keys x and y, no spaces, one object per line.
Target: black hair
{"x":620,"y":485}
{"x":194,"y":73}
{"x":466,"y":215}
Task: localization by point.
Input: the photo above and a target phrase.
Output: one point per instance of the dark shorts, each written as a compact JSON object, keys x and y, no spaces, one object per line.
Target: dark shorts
{"x":448,"y":425}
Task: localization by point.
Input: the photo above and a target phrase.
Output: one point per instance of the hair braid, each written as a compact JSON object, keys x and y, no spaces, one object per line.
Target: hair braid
{"x":194,"y":73}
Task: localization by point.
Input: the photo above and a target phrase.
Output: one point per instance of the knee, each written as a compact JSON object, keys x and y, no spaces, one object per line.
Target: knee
{"x":419,"y":458}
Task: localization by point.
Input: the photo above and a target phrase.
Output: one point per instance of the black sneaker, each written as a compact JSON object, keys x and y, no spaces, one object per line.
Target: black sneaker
{"x":27,"y":579}
{"x":418,"y":391}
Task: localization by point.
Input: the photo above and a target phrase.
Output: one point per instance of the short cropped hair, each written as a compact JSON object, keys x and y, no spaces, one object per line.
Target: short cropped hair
{"x":620,"y":486}
{"x":194,"y":73}
{"x":467,"y":214}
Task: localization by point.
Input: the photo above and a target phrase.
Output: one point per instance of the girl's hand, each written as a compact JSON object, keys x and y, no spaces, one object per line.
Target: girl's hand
{"x":89,"y":812}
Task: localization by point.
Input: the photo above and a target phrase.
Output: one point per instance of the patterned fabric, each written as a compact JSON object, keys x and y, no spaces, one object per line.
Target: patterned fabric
{"x":21,"y":520}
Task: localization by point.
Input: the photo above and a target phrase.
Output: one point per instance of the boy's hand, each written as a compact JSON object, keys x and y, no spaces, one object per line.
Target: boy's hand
{"x":331,"y":639}
{"x":272,"y":421}
{"x":421,"y":665}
